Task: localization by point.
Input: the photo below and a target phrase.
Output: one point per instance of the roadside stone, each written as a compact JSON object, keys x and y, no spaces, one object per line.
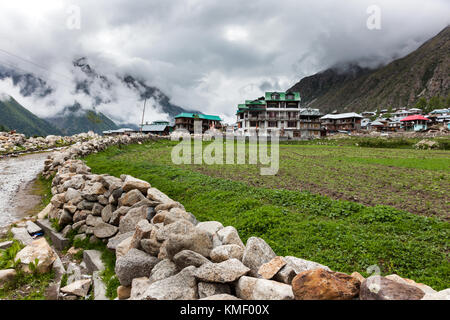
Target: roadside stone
{"x":123,"y":247}
{"x":212,"y":227}
{"x":131,"y":183}
{"x":93,"y":221}
{"x":168,"y":205}
{"x":295,"y":266}
{"x":73,"y":196}
{"x":97,"y":209}
{"x":7,"y":275}
{"x":6,"y":244}
{"x":138,"y":288}
{"x":32,"y":228}
{"x":381,"y":288}
{"x":164,"y":269}
{"x":130,"y":198}
{"x":143,"y":231}
{"x":66,"y":230}
{"x":269,"y":269}
{"x":130,"y":220}
{"x":182,"y":286}
{"x":22,"y":235}
{"x":38,"y":249}
{"x":80,"y":216}
{"x":104,"y":230}
{"x":229,"y":235}
{"x":107,"y":212}
{"x":65,"y":218}
{"x":156,"y":195}
{"x":71,"y":208}
{"x":45,"y":212}
{"x":206,"y":289}
{"x":117,"y":239}
{"x":123,"y":292}
{"x":134,"y":264}
{"x":256,"y":253}
{"x":151,"y":246}
{"x":93,"y":260}
{"x":198,"y":241}
{"x":118,"y":214}
{"x":248,"y":288}
{"x":178,"y":227}
{"x":426,"y":289}
{"x":223,"y":272}
{"x":225,"y":252}
{"x":320,"y":284}
{"x":441,"y":295}
{"x":78,"y":224}
{"x":79,"y":288}
{"x":99,"y":286}
{"x":188,"y":258}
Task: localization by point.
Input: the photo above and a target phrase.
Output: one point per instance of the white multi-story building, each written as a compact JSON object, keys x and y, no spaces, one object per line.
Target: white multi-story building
{"x":279,"y":111}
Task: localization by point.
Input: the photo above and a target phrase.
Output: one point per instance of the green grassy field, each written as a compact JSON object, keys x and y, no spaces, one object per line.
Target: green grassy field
{"x":294,"y":211}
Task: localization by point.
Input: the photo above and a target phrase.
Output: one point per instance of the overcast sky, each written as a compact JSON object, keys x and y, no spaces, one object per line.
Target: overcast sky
{"x":204,"y":54}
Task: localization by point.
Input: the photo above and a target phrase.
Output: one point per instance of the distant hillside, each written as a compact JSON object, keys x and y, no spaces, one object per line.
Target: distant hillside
{"x":15,"y":117}
{"x":74,"y":119}
{"x":423,"y":73}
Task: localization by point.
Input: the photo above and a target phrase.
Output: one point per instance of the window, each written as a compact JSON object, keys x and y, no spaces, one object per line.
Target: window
{"x":275,"y":96}
{"x":252,"y":123}
{"x":272,"y":124}
{"x":292,"y":124}
{"x":289,"y":96}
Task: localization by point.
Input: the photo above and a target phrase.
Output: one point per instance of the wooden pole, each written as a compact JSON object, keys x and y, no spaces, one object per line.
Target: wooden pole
{"x":143,"y":113}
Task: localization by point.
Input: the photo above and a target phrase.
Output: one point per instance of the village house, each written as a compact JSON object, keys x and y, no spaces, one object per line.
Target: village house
{"x":415,"y":123}
{"x":161,"y":128}
{"x":350,"y":121}
{"x":186,"y":120}
{"x":279,"y":112}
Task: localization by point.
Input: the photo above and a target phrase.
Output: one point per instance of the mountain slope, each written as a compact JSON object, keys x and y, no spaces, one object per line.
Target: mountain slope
{"x":75,"y":119}
{"x":423,"y":73}
{"x":15,"y":117}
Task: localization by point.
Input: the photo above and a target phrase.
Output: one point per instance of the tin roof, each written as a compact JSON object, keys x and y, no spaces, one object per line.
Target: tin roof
{"x":198,"y":115}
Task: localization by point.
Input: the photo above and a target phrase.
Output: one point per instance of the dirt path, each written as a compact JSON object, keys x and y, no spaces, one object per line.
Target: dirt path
{"x":16,"y":176}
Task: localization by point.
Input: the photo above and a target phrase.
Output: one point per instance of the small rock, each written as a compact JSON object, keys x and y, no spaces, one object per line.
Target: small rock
{"x":225,"y":252}
{"x":212,"y":227}
{"x":229,"y":235}
{"x":7,"y":275}
{"x":164,"y":269}
{"x":269,"y":269}
{"x":188,"y":258}
{"x":206,"y":289}
{"x":131,"y":183}
{"x":223,"y":272}
{"x":22,"y":235}
{"x":104,"y":230}
{"x":198,"y":241}
{"x":130,"y":220}
{"x":32,"y":228}
{"x":182,"y":286}
{"x":123,"y":292}
{"x":222,"y":296}
{"x":6,"y":244}
{"x":138,"y":288}
{"x":321,"y":284}
{"x":134,"y":264}
{"x":381,"y":288}
{"x":248,"y":288}
{"x":79,"y":288}
{"x":38,"y":249}
{"x":256,"y":253}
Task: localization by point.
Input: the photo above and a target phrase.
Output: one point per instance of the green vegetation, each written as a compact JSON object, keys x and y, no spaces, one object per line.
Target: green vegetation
{"x":25,"y":286}
{"x":109,"y":260}
{"x":346,"y":236}
{"x":436,"y":102}
{"x":16,"y":117}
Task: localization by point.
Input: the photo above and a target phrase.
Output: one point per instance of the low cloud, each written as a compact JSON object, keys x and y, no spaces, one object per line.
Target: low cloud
{"x":205,"y":55}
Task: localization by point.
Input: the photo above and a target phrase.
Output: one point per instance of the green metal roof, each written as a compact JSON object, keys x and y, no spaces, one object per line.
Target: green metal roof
{"x":255,"y":102}
{"x":283,"y":96}
{"x":198,"y":116}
